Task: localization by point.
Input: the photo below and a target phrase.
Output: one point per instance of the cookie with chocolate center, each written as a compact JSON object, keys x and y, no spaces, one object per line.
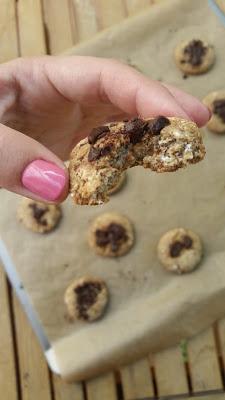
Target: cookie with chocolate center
{"x":37,"y":216}
{"x":215,"y":101}
{"x":180,"y":250}
{"x":194,"y":56}
{"x":86,"y":299}
{"x":111,"y":235}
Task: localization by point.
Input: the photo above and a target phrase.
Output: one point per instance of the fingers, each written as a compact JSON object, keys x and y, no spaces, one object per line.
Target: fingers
{"x":29,"y":169}
{"x":89,"y":80}
{"x":192,"y":106}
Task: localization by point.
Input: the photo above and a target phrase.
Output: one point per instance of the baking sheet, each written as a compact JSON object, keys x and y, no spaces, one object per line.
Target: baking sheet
{"x":149,"y":308}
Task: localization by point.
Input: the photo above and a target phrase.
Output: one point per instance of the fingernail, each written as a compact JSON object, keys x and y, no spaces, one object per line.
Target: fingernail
{"x":44,"y":179}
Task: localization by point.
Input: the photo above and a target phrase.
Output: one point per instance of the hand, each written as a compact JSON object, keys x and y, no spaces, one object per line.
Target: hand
{"x":48,"y":104}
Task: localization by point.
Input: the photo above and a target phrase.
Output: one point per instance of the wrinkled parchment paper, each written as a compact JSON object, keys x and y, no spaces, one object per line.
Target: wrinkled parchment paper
{"x":150,"y":309}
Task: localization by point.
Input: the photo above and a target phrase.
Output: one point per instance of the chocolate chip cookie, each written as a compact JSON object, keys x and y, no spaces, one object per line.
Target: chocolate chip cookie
{"x":161,"y":144}
{"x":37,"y":216}
{"x":119,"y":184}
{"x":180,"y":250}
{"x":216,"y":103}
{"x":111,"y":235}
{"x":86,"y":299}
{"x":194,"y":56}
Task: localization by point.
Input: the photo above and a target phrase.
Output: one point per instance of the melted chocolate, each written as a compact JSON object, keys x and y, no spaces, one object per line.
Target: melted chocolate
{"x":114,"y":235}
{"x":97,"y":133}
{"x":38,"y":213}
{"x":86,"y":297}
{"x":195,"y":51}
{"x":177,"y":247}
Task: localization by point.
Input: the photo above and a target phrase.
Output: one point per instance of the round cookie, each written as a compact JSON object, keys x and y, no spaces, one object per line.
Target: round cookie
{"x":37,"y":216}
{"x":118,"y":185}
{"x":194,"y":56}
{"x":180,"y":250}
{"x":161,"y":144}
{"x":215,"y":101}
{"x":86,"y":299}
{"x":111,"y":235}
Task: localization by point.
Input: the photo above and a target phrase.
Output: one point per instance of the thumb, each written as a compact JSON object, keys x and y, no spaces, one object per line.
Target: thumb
{"x":30,"y":169}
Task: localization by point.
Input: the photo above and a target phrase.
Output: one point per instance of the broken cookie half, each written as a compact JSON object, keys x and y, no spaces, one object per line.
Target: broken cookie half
{"x":161,"y":144}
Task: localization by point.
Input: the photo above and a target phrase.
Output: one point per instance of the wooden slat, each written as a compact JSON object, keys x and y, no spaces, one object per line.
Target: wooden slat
{"x":58,"y":25}
{"x":86,"y":19}
{"x":136,"y":380}
{"x":221,"y":337}
{"x":103,"y":387}
{"x":108,"y":16}
{"x":203,"y":361}
{"x":66,"y":391}
{"x":135,"y":6}
{"x":8,"y":386}
{"x":31,"y":28}
{"x":8,"y":35}
{"x":215,"y":396}
{"x":170,"y":372}
{"x":34,"y":376}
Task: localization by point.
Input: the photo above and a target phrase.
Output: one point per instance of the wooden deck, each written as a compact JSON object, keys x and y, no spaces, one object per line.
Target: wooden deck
{"x":34,"y":27}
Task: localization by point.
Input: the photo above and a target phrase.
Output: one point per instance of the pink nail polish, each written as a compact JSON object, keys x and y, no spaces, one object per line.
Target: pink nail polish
{"x":44,"y":179}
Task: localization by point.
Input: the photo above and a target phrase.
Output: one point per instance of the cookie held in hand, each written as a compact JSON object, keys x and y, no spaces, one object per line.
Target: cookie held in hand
{"x":215,"y":101}
{"x":86,"y":299}
{"x":194,"y":57}
{"x":37,"y":216}
{"x":160,"y":144}
{"x":111,"y":235}
{"x":180,"y":250}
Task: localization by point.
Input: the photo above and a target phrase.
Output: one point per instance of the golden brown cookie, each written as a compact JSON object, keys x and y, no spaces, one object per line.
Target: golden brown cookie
{"x":111,"y":235}
{"x":180,"y":250}
{"x":37,"y":216}
{"x":215,"y":101}
{"x":161,"y":144}
{"x":194,"y":56}
{"x":118,"y":184}
{"x":86,"y":299}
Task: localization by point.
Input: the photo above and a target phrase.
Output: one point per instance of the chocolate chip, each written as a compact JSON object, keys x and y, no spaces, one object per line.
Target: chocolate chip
{"x":38,"y":213}
{"x":176,"y":247}
{"x":158,"y":124}
{"x":94,"y":154}
{"x":86,"y":297}
{"x":185,"y":76}
{"x":106,"y":150}
{"x":135,"y":128}
{"x":219,"y":108}
{"x":114,"y":235}
{"x":97,"y":133}
{"x":195,"y":51}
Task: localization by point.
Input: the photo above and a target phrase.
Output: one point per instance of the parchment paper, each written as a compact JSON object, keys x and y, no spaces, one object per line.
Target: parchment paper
{"x":150,"y":309}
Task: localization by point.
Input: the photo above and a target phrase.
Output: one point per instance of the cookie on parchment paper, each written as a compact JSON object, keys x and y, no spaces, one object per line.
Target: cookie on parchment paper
{"x":180,"y":250}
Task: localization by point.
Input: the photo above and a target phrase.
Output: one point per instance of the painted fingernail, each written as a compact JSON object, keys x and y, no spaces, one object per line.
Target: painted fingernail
{"x":44,"y":179}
